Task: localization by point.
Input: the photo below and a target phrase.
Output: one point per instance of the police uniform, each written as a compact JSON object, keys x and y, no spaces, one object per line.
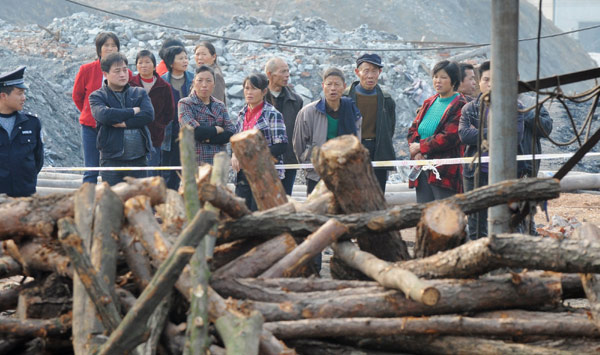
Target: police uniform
{"x":21,"y":151}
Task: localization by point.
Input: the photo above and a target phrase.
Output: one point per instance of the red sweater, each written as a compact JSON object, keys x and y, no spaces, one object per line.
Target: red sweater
{"x":88,"y":80}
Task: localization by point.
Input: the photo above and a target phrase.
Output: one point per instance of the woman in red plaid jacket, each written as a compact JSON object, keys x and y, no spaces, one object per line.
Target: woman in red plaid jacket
{"x":434,"y":135}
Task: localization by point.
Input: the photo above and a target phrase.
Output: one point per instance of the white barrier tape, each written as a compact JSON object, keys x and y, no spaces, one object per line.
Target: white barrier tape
{"x":377,"y":164}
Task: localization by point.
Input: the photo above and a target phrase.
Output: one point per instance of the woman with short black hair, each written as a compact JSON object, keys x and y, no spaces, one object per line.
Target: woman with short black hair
{"x":434,"y":135}
{"x":261,"y":115}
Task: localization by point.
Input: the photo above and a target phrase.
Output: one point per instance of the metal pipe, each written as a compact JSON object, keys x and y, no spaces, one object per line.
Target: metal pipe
{"x":502,"y":135}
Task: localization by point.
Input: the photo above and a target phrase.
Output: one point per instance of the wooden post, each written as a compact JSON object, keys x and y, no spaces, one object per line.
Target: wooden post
{"x":305,"y":252}
{"x":387,"y":274}
{"x":442,"y":227}
{"x":250,"y":148}
{"x":82,"y":305}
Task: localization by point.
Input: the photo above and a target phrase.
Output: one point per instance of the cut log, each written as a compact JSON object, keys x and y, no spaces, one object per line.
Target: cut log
{"x":442,"y":227}
{"x":305,"y":252}
{"x":226,"y":253}
{"x":135,"y":256}
{"x":225,"y":200}
{"x":154,"y":187}
{"x":318,"y":347}
{"x":488,"y":293}
{"x":203,"y":178}
{"x":247,"y":289}
{"x":308,"y":285}
{"x":240,"y":333}
{"x":46,"y":297}
{"x":344,"y":165}
{"x":139,"y":214}
{"x":395,"y":218}
{"x":387,"y":274}
{"x":103,"y":297}
{"x":83,"y":202}
{"x":424,"y":344}
{"x":250,"y":148}
{"x":258,"y":259}
{"x":9,"y":267}
{"x":509,"y":250}
{"x":591,"y":282}
{"x":172,"y":214}
{"x":269,"y":345}
{"x":9,"y":296}
{"x":30,"y":328}
{"x":552,"y":324}
{"x":44,"y":256}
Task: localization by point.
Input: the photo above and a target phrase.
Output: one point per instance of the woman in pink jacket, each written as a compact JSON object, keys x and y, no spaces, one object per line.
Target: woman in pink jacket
{"x":89,"y":79}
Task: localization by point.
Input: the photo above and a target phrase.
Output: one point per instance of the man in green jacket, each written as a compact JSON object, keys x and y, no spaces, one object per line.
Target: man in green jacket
{"x":378,"y":110}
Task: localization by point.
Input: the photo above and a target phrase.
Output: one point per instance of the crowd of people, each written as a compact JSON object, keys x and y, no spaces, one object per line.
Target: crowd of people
{"x":132,"y":120}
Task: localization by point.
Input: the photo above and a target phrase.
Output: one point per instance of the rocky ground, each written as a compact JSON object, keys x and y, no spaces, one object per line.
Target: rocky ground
{"x":53,"y":54}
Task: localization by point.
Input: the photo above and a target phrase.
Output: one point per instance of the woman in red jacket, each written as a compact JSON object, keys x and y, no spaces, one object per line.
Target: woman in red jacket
{"x":89,"y":79}
{"x":434,"y":135}
{"x":162,"y":101}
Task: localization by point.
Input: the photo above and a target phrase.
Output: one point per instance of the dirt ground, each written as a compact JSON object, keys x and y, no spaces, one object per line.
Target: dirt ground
{"x":585,"y":207}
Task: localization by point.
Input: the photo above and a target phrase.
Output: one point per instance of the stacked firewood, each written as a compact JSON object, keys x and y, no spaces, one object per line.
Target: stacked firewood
{"x":140,"y":269}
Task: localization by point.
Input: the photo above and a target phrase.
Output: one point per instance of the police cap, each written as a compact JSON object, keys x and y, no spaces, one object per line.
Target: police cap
{"x":14,"y":78}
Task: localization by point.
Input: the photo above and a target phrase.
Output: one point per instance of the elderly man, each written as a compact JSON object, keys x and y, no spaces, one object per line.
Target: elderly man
{"x":378,"y":110}
{"x":289,"y":104}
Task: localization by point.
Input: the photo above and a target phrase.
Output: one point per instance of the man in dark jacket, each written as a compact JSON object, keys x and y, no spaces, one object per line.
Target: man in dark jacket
{"x":289,"y":104}
{"x":527,"y":144}
{"x":122,"y":113}
{"x":378,"y":110}
{"x":21,"y":149}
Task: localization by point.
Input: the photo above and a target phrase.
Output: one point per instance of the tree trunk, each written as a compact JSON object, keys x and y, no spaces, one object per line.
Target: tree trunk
{"x":225,"y":200}
{"x":258,"y":259}
{"x":305,"y":252}
{"x":345,"y":167}
{"x":384,"y":220}
{"x":591,"y":282}
{"x":552,"y":324}
{"x":442,"y":227}
{"x":30,"y":328}
{"x":250,"y":148}
{"x":83,"y":202}
{"x":508,"y":250}
{"x":504,"y":291}
{"x":387,"y":274}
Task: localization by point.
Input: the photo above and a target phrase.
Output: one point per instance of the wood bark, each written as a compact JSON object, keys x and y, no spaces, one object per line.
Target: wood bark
{"x":250,"y":148}
{"x":552,"y":324}
{"x":241,"y":334}
{"x":258,"y":259}
{"x":449,"y":344}
{"x":108,"y":219}
{"x":269,"y":345}
{"x":172,"y":213}
{"x":226,"y":253}
{"x":384,"y":220}
{"x":203,"y":178}
{"x":104,"y":300}
{"x":488,"y":293}
{"x":308,"y":285}
{"x":9,"y":267}
{"x":9,"y":297}
{"x":442,"y":227}
{"x":45,"y":297}
{"x":42,"y":256}
{"x":508,"y":250}
{"x":135,"y":256}
{"x":132,"y":330}
{"x":344,"y":165}
{"x":83,"y":202}
{"x":387,"y":274}
{"x":29,"y":328}
{"x":37,"y":215}
{"x":139,"y":214}
{"x":590,"y":281}
{"x":318,"y":347}
{"x":225,"y":200}
{"x":305,"y":252}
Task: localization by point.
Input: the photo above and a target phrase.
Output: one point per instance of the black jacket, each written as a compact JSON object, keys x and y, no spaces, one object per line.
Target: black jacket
{"x":529,"y":126}
{"x":107,"y":111}
{"x":21,"y":156}
{"x":384,"y":125}
{"x":289,"y":104}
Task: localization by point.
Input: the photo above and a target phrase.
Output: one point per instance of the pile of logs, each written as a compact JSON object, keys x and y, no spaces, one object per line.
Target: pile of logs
{"x":139,"y":269}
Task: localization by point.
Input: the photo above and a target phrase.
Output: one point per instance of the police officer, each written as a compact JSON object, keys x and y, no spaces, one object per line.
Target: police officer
{"x":21,"y":149}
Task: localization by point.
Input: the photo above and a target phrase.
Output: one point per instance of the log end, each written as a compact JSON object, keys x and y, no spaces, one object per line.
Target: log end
{"x":430,"y":296}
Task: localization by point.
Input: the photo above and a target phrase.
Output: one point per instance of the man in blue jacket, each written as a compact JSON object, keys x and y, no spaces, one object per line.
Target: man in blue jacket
{"x":122,"y":113}
{"x":21,"y":148}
